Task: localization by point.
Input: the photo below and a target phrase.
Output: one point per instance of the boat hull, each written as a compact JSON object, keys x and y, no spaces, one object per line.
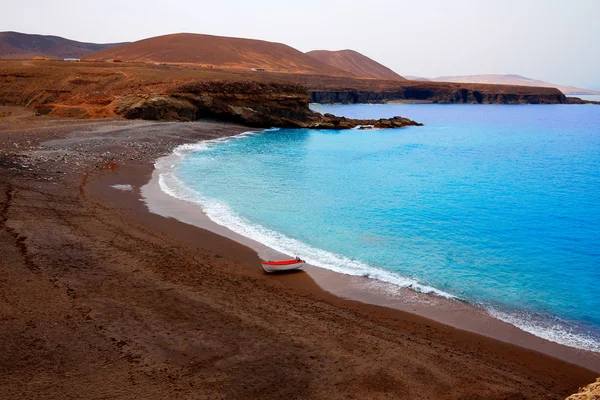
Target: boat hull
{"x":270,"y":268}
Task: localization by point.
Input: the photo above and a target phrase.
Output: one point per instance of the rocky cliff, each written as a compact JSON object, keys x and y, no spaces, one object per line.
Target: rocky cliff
{"x":251,"y":103}
{"x":436,"y":95}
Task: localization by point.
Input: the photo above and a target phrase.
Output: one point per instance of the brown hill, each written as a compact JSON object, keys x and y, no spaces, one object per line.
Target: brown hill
{"x":514,"y":80}
{"x":355,"y":63}
{"x":15,"y":45}
{"x":218,"y":51}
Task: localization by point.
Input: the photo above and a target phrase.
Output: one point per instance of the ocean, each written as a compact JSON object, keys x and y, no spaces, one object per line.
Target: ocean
{"x":497,"y":205}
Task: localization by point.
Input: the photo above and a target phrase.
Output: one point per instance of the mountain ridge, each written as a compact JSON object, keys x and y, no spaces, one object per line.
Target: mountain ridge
{"x":17,"y":45}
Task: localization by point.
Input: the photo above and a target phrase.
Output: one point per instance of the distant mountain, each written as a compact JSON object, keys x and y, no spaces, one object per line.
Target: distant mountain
{"x":514,"y":80}
{"x":355,"y":63}
{"x":15,"y":45}
{"x":218,"y":51}
{"x":416,"y":78}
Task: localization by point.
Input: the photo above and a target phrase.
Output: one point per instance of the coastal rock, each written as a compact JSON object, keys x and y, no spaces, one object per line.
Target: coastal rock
{"x":330,"y":121}
{"x":577,"y":100}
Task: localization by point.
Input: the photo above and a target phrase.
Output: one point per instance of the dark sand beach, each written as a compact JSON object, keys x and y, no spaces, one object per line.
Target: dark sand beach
{"x":102,"y":299}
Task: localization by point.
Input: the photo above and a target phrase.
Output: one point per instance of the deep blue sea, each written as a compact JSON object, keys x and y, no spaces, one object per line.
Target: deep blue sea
{"x":498,"y":205}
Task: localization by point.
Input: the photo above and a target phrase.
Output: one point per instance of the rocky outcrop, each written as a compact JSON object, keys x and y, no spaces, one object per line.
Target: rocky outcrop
{"x":590,"y":392}
{"x":255,"y":104}
{"x":330,"y":121}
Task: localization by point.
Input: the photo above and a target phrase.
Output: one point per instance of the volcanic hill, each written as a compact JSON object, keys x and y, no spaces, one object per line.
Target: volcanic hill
{"x":15,"y":45}
{"x":218,"y":51}
{"x":354,"y":63}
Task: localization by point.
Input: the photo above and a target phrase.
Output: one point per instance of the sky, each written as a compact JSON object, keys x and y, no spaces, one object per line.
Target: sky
{"x":553,"y":40}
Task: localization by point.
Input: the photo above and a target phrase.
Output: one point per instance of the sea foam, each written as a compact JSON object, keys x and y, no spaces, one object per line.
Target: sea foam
{"x":551,"y":329}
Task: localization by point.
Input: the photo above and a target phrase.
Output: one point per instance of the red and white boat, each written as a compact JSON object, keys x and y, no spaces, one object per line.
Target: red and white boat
{"x":283,"y":265}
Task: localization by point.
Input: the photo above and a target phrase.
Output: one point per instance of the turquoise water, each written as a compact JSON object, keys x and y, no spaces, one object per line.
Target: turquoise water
{"x":494,"y":204}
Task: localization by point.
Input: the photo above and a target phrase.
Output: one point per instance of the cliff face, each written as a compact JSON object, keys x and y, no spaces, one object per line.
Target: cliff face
{"x":251,"y":103}
{"x":436,"y":96}
{"x":254,"y":104}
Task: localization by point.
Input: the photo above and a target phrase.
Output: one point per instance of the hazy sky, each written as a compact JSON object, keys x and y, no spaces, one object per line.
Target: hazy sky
{"x":553,"y":40}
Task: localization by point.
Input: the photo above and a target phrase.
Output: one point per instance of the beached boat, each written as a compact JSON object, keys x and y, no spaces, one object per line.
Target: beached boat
{"x":283,"y":265}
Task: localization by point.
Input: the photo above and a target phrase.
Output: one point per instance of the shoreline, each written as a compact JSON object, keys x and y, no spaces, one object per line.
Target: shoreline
{"x":449,"y":311}
{"x":164,"y":307}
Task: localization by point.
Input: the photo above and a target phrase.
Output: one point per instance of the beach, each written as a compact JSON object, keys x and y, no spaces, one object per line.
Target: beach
{"x":103,"y":298}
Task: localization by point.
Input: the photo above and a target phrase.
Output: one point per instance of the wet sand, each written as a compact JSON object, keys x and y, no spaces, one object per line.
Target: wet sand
{"x":101,"y":298}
